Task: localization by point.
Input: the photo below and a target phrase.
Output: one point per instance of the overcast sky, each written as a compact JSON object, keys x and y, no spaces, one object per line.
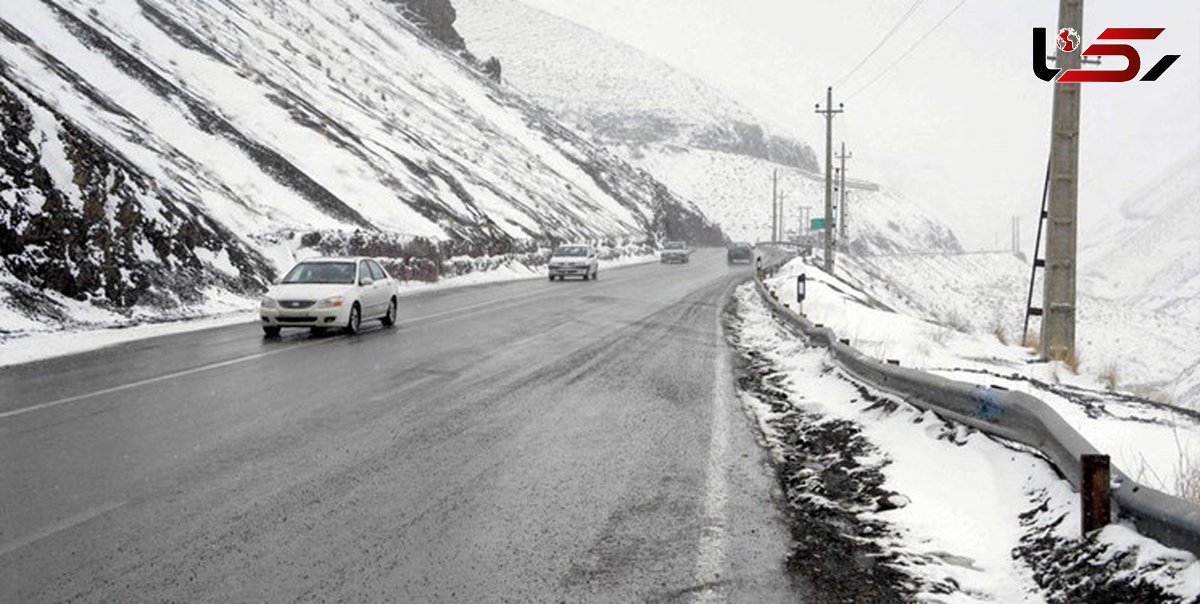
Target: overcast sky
{"x":962,"y":124}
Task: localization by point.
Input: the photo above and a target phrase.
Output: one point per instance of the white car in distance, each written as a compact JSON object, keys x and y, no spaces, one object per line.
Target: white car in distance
{"x":325,"y":293}
{"x":574,"y":260}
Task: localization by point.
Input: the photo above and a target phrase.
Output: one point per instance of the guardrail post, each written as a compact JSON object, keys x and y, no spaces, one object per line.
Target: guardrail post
{"x":1094,"y":493}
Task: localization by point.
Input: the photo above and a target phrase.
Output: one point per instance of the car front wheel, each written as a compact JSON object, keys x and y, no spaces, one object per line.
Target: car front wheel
{"x":271,"y":331}
{"x":355,"y":323}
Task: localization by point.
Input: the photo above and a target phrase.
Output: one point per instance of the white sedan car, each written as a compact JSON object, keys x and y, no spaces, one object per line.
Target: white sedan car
{"x":324,"y":293}
{"x":574,"y":260}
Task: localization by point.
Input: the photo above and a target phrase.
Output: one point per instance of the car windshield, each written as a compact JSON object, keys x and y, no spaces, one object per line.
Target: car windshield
{"x":675,"y":245}
{"x":571,"y":251}
{"x":741,"y":246}
{"x":321,"y":272}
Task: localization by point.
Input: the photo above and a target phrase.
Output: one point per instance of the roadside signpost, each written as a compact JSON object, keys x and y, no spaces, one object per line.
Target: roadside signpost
{"x":801,"y":292}
{"x":816,"y":224}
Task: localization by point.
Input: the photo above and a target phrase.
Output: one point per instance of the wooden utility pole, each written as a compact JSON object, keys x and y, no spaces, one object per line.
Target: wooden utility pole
{"x":1058,"y":301}
{"x":829,"y":112}
{"x":841,"y":223}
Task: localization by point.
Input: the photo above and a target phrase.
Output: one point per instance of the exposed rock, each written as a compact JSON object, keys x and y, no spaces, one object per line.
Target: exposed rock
{"x":434,"y":17}
{"x":104,"y":233}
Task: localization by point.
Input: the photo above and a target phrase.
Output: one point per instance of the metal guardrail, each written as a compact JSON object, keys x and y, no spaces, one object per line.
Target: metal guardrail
{"x":1014,"y":416}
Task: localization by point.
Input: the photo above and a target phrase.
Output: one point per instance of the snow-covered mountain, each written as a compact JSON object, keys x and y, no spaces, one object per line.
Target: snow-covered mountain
{"x":1149,"y":250}
{"x":685,"y":132}
{"x":163,"y":153}
{"x":614,"y":91}
{"x":1145,"y":258}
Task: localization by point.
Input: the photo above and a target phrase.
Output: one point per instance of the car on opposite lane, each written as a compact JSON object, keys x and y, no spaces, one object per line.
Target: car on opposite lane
{"x":675,"y":251}
{"x":574,"y":260}
{"x":324,"y":293}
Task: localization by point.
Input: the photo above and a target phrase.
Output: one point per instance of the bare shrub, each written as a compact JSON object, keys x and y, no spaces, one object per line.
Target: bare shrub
{"x":1110,"y":375}
{"x":956,"y":321}
{"x":1072,"y":362}
{"x":1033,"y":342}
{"x":1001,"y":334}
{"x":1187,"y":472}
{"x":1187,"y":479}
{"x":939,"y":335}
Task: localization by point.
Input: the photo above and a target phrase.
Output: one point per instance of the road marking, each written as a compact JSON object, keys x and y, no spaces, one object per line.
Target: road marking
{"x":161,"y":378}
{"x":260,"y":355}
{"x":710,"y":557}
{"x":58,"y":527}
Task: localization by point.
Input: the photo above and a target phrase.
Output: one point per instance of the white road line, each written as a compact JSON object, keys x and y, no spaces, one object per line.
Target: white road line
{"x":59,"y":526}
{"x":161,"y":378}
{"x":710,"y":557}
{"x":256,"y":356}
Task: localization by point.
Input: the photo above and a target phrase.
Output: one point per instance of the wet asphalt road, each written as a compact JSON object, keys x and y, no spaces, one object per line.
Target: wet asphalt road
{"x":528,"y":441}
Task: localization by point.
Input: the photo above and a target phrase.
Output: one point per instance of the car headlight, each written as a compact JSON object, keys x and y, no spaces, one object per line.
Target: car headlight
{"x":269,"y":302}
{"x":332,"y":302}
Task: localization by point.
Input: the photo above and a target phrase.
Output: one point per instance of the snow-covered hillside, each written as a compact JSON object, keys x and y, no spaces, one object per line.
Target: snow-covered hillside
{"x":1144,"y":261}
{"x":163,"y":153}
{"x":614,"y":91}
{"x":1129,"y":346}
{"x":1149,"y":250}
{"x":735,"y":191}
{"x":684,"y":132}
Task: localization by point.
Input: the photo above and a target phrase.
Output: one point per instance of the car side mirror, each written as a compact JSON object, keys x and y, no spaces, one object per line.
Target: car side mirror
{"x":365,"y":281}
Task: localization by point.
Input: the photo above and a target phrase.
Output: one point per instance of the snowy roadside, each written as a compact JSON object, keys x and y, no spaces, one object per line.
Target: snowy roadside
{"x":1152,"y":442}
{"x":907,"y":506}
{"x":26,"y":342}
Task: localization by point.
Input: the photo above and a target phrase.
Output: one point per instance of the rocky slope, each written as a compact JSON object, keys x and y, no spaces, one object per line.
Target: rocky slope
{"x":159,"y":155}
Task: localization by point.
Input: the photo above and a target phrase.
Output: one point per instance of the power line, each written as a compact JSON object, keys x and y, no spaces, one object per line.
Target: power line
{"x":903,"y":18}
{"x":909,"y":51}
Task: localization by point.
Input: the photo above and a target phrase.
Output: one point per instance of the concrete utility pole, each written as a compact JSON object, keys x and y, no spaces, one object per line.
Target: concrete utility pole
{"x":829,"y":112}
{"x":805,"y":218}
{"x":782,"y":216}
{"x":1058,"y":301}
{"x":774,"y":204}
{"x":841,"y":223}
{"x":1016,"y":235}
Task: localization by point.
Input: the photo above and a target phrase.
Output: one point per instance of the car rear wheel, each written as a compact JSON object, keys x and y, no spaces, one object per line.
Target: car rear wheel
{"x":389,"y":319}
{"x":355,"y":323}
{"x":271,"y":331}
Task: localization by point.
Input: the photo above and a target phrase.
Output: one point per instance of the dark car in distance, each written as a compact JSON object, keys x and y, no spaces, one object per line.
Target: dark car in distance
{"x":739,"y":252}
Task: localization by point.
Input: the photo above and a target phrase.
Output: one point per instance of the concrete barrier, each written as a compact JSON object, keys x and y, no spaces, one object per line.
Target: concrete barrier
{"x":1013,"y":416}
